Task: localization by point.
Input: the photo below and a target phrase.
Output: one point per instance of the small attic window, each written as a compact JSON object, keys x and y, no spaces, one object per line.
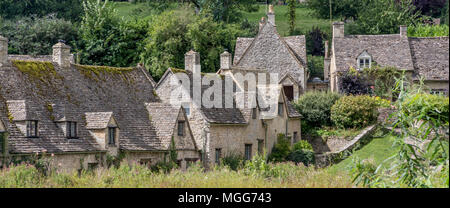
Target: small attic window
{"x":32,"y":129}
{"x":71,"y":129}
{"x":187,"y":109}
{"x":112,"y":135}
{"x":364,"y":60}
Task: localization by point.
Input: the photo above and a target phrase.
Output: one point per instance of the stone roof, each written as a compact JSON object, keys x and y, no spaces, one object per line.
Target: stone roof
{"x":163,"y":117}
{"x":430,"y":57}
{"x":52,"y":93}
{"x":292,"y":112}
{"x":98,"y":120}
{"x":268,"y":50}
{"x":386,"y":50}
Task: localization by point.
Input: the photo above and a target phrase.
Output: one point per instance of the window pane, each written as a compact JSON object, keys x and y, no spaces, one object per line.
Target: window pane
{"x":280,"y":109}
{"x":181,"y":128}
{"x":254,"y":113}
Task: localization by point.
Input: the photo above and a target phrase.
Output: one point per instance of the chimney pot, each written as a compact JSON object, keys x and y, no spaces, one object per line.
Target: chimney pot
{"x":271,"y":15}
{"x":225,"y":60}
{"x":403,"y":31}
{"x":338,"y":30}
{"x":61,"y":54}
{"x":192,"y":61}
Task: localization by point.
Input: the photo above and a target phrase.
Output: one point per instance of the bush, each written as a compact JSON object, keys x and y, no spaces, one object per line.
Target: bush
{"x":425,"y":106}
{"x":354,"y":111}
{"x":302,"y":156}
{"x":316,"y":107}
{"x":234,"y":161}
{"x":280,"y":150}
{"x":428,"y":31}
{"x":302,"y":145}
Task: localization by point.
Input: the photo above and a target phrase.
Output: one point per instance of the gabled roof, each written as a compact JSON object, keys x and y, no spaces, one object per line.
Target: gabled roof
{"x":163,"y":117}
{"x":386,"y":50}
{"x":270,"y":51}
{"x":98,"y":120}
{"x":52,"y":93}
{"x":430,"y":57}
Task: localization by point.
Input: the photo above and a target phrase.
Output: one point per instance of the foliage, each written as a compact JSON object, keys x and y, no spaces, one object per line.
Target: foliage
{"x":164,"y":167}
{"x":385,"y":17}
{"x":35,"y":35}
{"x":233,"y":161}
{"x":431,"y":8}
{"x":351,"y":83}
{"x":364,"y":172}
{"x":381,"y":103}
{"x":444,"y":18}
{"x":66,"y":9}
{"x":228,"y":11}
{"x":302,"y":145}
{"x":280,"y":150}
{"x":315,"y":66}
{"x":315,"y":41}
{"x":291,"y":15}
{"x":428,"y":31}
{"x":424,"y":106}
{"x":302,"y":156}
{"x":328,"y":132}
{"x":385,"y":78}
{"x":354,"y":111}
{"x":316,"y":107}
{"x":346,"y":9}
{"x":108,"y":40}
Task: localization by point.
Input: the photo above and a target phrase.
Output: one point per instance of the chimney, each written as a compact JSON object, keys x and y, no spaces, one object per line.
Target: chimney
{"x":326,"y":49}
{"x":338,"y":30}
{"x":3,"y":50}
{"x":61,"y":54}
{"x":403,"y":31}
{"x":262,"y":22}
{"x":271,"y":15}
{"x":192,"y":61}
{"x":225,"y":60}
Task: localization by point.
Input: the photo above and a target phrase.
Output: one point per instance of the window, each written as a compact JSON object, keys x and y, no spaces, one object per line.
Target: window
{"x":289,"y":92}
{"x":364,"y":60}
{"x":248,"y":151}
{"x":32,"y":129}
{"x":146,"y":162}
{"x":92,"y":166}
{"x":218,"y":155}
{"x":280,"y":109}
{"x":180,"y":128}
{"x":187,"y":109}
{"x":71,"y":130}
{"x":111,"y":135}
{"x":2,"y":142}
{"x":438,"y":91}
{"x":260,"y":146}
{"x":295,"y":137}
{"x":254,"y":113}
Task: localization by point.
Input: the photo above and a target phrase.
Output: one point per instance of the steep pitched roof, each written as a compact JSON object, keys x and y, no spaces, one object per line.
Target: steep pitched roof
{"x":386,"y":50}
{"x":270,"y":51}
{"x":163,"y":117}
{"x":71,"y":92}
{"x":430,"y":57}
{"x":98,"y":120}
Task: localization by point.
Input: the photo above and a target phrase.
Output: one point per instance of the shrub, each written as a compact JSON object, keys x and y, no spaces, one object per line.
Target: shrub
{"x":316,"y":107}
{"x":280,"y":150}
{"x":428,"y":31}
{"x":164,"y":167}
{"x":302,"y":156}
{"x":425,"y":106}
{"x":233,"y":161}
{"x":354,"y":111}
{"x":302,"y":145}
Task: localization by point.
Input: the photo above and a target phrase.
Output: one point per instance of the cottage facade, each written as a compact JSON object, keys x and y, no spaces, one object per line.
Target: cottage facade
{"x":418,"y":57}
{"x":85,"y":116}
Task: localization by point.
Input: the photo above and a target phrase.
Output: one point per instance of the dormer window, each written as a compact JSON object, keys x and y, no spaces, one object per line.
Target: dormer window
{"x":180,"y":128}
{"x":32,"y":129}
{"x":112,"y":135}
{"x":280,"y":109}
{"x":364,"y":60}
{"x":71,"y":129}
{"x":187,"y":109}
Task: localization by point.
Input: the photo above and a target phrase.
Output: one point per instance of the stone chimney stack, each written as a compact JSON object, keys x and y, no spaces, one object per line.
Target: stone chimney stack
{"x":271,"y":15}
{"x":403,"y":31}
{"x":338,"y":30}
{"x":61,"y":54}
{"x":3,"y":50}
{"x":192,"y":61}
{"x":225,"y":60}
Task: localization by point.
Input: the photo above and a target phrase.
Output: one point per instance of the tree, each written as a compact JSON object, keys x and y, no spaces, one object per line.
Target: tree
{"x":315,"y":41}
{"x":66,"y":9}
{"x":107,"y":39}
{"x":431,"y":8}
{"x":291,"y":15}
{"x":346,"y":9}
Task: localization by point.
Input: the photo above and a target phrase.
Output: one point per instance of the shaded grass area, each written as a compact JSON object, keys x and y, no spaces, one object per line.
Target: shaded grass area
{"x":304,"y":20}
{"x":379,"y":149}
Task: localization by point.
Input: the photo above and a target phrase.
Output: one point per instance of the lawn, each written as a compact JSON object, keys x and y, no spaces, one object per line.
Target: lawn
{"x":379,"y":149}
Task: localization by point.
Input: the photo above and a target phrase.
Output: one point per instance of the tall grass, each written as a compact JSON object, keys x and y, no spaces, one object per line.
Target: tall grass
{"x":281,"y":175}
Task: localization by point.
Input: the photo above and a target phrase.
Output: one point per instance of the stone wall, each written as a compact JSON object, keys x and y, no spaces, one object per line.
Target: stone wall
{"x":360,"y":140}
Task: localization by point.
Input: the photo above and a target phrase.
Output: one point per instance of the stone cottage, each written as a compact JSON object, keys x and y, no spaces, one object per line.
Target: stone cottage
{"x":419,"y":57}
{"x":85,"y":116}
{"x":283,"y":55}
{"x":240,"y":130}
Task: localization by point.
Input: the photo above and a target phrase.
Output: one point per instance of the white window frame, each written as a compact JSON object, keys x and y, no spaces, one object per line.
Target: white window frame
{"x":365,"y":57}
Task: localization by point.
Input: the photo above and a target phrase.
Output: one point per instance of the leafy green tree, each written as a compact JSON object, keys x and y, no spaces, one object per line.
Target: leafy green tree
{"x":346,"y":9}
{"x":316,"y":108}
{"x":35,"y":35}
{"x":66,"y":9}
{"x":385,"y":17}
{"x":107,"y":39}
{"x":280,"y":150}
{"x":291,"y":15}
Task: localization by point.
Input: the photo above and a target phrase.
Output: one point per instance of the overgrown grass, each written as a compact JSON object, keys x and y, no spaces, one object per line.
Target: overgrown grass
{"x":379,"y":149}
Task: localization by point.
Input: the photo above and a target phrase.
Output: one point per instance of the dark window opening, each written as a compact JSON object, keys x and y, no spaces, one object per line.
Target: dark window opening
{"x":71,"y":129}
{"x":260,"y":146}
{"x":218,"y":155}
{"x":254,"y":113}
{"x":180,"y":128}
{"x":111,"y":135}
{"x":295,"y":137}
{"x":289,"y":92}
{"x":2,"y":142}
{"x":248,"y":151}
{"x":280,"y":109}
{"x":32,"y":129}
